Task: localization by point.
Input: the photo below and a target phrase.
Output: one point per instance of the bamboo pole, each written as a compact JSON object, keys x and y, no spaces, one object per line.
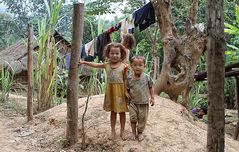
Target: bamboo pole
{"x":29,"y":74}
{"x":72,"y":97}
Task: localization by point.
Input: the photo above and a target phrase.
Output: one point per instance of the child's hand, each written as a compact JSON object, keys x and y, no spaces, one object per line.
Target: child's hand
{"x":128,"y":98}
{"x":151,"y":100}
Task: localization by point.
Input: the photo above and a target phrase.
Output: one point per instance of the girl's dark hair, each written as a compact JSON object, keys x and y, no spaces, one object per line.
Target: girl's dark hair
{"x":137,"y":57}
{"x":115,"y":45}
{"x":129,"y":41}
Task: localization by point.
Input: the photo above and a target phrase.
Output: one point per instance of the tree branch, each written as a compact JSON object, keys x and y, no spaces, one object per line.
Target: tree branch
{"x":192,"y":12}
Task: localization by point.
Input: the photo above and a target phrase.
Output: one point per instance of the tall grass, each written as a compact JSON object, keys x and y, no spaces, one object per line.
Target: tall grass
{"x":45,"y":76}
{"x":6,"y":81}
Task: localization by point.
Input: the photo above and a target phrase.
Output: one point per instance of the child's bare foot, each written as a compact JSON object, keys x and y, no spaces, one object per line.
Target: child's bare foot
{"x":113,"y":134}
{"x":122,"y":135}
{"x":140,"y":137}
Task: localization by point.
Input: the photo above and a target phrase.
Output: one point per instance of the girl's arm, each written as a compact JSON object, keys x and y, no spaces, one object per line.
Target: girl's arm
{"x":93,"y":64}
{"x":126,"y":84}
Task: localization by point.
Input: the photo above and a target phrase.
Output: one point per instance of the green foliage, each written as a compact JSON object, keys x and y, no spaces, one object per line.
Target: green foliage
{"x":131,"y":6}
{"x":61,"y":85}
{"x":22,"y":12}
{"x":101,"y":6}
{"x":232,"y":52}
{"x":195,"y":96}
{"x":8,"y":30}
{"x":201,"y":66}
{"x":229,"y":10}
{"x":229,"y":87}
{"x":6,"y":81}
{"x":101,"y":23}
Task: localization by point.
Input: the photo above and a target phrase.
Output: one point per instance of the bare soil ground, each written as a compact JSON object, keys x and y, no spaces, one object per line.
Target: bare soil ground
{"x":167,"y":130}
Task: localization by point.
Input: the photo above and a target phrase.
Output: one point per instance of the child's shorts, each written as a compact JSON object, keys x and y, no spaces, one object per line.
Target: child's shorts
{"x":138,"y":112}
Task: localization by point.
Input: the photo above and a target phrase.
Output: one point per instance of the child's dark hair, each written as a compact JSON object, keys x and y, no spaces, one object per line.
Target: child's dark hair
{"x":137,"y":57}
{"x":129,"y":41}
{"x":115,"y":45}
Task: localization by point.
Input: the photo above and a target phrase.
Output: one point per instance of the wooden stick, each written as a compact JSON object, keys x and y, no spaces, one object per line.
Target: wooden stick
{"x":29,"y":74}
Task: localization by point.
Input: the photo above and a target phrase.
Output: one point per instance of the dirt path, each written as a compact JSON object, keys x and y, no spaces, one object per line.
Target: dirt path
{"x":167,"y":130}
{"x":8,"y":139}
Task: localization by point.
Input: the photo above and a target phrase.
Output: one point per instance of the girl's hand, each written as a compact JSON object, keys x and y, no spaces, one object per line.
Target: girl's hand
{"x":151,"y":100}
{"x":81,"y":62}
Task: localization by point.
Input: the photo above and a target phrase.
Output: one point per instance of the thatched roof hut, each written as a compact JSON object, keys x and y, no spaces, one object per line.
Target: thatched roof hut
{"x":15,"y":56}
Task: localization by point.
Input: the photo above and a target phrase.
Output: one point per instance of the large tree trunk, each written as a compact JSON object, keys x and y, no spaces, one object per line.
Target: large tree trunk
{"x":72,"y":97}
{"x":180,"y":53}
{"x":216,"y":74}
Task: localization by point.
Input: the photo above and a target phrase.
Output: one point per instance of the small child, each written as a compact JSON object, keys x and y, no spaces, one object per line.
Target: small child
{"x":129,"y":42}
{"x":116,"y":71}
{"x":141,"y":92}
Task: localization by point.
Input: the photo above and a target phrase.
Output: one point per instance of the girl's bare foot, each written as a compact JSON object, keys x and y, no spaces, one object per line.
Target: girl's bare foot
{"x":122,"y":135}
{"x":133,"y":137}
{"x":113,"y":134}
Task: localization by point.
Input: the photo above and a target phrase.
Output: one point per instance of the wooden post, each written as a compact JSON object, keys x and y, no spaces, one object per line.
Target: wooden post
{"x":216,"y":74}
{"x":29,"y":74}
{"x":237,"y":99}
{"x":72,"y":96}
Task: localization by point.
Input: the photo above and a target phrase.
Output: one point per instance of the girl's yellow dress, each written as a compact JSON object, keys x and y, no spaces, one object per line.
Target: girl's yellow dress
{"x":115,"y":94}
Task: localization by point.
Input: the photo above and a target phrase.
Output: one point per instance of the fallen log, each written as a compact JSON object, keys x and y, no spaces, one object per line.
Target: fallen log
{"x":230,"y":70}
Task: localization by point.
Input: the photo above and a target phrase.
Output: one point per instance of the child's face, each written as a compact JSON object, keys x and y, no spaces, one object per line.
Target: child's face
{"x":138,"y":66}
{"x":114,"y":55}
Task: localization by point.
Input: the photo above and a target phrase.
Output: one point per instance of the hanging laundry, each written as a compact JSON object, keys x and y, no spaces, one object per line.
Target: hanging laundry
{"x":90,"y":48}
{"x":144,"y":17}
{"x":82,"y":52}
{"x":102,"y":40}
{"x":117,"y":26}
{"x":127,"y":25}
{"x":111,"y":29}
{"x":68,"y":57}
{"x":114,"y":28}
{"x":68,"y":60}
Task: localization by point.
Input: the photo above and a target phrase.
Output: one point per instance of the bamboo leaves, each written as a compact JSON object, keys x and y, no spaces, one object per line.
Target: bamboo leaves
{"x":46,"y":68}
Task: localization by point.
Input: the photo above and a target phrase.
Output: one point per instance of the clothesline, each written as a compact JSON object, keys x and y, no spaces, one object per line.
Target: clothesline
{"x":142,"y":18}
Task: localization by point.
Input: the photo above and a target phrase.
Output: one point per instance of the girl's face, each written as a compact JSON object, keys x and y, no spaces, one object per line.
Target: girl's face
{"x":115,"y":55}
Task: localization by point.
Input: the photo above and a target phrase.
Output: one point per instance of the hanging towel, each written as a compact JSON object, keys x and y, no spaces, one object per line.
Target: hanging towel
{"x":144,"y":17}
{"x":90,"y":48}
{"x":102,"y":40}
{"x":127,"y":25}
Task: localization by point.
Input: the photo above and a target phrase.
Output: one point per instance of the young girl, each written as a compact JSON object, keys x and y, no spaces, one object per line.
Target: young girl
{"x":129,"y":42}
{"x":116,"y":71}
